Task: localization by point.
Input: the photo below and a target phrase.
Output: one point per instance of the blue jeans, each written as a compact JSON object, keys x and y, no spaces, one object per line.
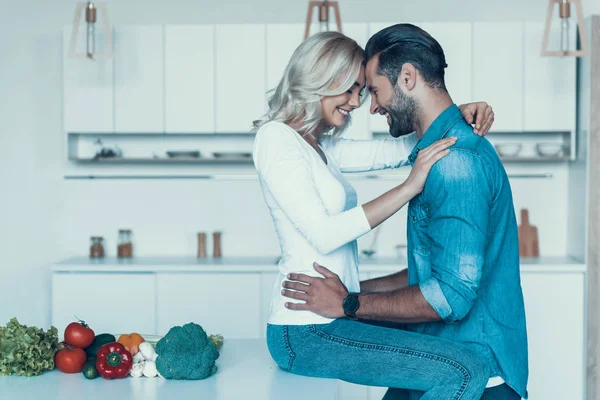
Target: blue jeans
{"x":372,"y":355}
{"x":502,"y":392}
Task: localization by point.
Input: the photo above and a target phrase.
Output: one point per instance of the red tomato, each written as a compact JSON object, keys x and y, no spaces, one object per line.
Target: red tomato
{"x":70,"y":360}
{"x":79,"y":335}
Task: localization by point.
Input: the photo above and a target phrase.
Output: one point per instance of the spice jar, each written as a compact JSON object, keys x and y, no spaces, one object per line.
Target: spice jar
{"x":125,"y":246}
{"x":217,"y":245}
{"x":97,"y":247}
{"x":201,"y":245}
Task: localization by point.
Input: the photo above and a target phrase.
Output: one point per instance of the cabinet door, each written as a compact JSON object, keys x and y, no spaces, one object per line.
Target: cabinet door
{"x":189,"y":78}
{"x":549,"y":84}
{"x":88,"y":88}
{"x":282,"y":40}
{"x":221,"y":303}
{"x":139,"y":79}
{"x":456,"y":41}
{"x":240,"y":77}
{"x":554,"y":305}
{"x":498,"y":71}
{"x":107,"y":302}
{"x":351,"y":391}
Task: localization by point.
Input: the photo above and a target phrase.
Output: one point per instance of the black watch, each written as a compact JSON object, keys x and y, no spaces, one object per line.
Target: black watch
{"x":351,"y":305}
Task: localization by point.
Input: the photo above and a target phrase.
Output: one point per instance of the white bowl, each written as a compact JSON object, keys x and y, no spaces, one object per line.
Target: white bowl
{"x":549,"y":149}
{"x":508,"y":149}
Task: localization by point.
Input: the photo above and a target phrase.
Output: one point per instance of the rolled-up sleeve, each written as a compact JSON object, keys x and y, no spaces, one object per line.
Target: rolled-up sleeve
{"x":458,"y":196}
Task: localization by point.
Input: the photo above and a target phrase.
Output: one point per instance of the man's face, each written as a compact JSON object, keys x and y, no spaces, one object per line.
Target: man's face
{"x":386,"y":99}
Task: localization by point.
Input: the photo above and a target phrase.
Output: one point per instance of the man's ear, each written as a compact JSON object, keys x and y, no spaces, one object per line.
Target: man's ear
{"x":407,"y":78}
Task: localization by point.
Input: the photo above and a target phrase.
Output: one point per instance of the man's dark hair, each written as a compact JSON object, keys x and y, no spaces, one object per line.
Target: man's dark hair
{"x":406,"y":43}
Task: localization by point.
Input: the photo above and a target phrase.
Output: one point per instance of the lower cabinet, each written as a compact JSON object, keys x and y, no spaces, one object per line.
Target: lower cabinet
{"x":236,"y":305}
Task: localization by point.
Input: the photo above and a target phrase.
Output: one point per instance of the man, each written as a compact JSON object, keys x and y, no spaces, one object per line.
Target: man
{"x":463,"y":280}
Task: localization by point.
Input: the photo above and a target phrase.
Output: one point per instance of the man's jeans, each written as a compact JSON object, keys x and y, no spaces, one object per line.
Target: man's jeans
{"x":502,"y":392}
{"x":372,"y":355}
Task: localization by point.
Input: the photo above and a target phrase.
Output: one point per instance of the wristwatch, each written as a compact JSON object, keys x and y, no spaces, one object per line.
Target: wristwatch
{"x":351,"y":305}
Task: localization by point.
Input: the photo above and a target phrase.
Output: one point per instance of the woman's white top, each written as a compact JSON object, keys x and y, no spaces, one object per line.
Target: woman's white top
{"x":314,"y":208}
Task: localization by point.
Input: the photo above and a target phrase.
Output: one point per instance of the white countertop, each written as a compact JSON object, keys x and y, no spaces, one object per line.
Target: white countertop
{"x":269,"y":264}
{"x":246,"y":371}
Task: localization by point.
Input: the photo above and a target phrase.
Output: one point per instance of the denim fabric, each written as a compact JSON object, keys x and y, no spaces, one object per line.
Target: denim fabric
{"x":463,"y":251}
{"x":502,"y":392}
{"x":371,"y":355}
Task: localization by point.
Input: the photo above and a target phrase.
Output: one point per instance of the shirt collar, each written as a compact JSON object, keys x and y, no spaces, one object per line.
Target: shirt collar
{"x":438,"y":129}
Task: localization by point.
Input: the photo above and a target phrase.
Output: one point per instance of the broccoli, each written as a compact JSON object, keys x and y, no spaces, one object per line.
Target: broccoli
{"x":186,"y":352}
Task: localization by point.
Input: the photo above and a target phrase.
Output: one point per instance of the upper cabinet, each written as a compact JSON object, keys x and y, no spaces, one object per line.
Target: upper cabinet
{"x":457,"y":42}
{"x":240,"y":76}
{"x":498,"y":71}
{"x":189,"y":78}
{"x":550,"y":84}
{"x":207,"y":78}
{"x":87,"y":88}
{"x":139,"y":79}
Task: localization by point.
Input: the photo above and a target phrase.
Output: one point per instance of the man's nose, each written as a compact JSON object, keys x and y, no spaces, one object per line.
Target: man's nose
{"x":374,"y":106}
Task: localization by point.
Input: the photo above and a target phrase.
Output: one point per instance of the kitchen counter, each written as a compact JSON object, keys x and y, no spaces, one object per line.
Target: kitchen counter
{"x":245,"y":371}
{"x":269,"y":264}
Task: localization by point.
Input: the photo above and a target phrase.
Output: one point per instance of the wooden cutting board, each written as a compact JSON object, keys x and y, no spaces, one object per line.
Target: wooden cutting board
{"x":528,"y":237}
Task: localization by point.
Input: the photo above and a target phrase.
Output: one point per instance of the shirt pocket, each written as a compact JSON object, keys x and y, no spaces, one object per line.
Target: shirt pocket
{"x":418,"y":213}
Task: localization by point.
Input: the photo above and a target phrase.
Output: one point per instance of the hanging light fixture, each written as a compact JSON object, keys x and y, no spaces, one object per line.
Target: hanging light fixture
{"x":91,"y":15}
{"x":564,"y":7}
{"x":323,"y":8}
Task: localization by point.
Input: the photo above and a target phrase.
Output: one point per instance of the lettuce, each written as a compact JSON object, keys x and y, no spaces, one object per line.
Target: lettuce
{"x":26,"y":351}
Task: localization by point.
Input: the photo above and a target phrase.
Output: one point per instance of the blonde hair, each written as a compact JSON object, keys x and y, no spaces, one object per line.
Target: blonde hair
{"x":325,"y":64}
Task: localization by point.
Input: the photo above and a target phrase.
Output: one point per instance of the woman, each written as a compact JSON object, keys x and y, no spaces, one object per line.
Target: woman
{"x":300,"y":159}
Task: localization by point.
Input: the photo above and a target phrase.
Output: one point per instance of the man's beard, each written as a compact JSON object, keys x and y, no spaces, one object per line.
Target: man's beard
{"x":403,"y":113}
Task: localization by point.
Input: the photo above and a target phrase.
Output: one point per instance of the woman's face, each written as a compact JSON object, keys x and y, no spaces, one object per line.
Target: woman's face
{"x":336,"y":109}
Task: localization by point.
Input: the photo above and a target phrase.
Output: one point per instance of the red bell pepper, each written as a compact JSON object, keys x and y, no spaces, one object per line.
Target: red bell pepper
{"x":114,"y":361}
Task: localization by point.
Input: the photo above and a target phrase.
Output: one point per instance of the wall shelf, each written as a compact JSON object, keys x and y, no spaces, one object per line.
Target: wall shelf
{"x":203,"y":161}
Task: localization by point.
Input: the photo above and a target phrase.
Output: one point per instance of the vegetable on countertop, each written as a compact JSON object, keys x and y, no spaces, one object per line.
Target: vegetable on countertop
{"x":217,"y":340}
{"x":98,"y":342}
{"x":186,"y":352}
{"x":137,"y":370}
{"x":131,"y":342}
{"x":147,"y":351}
{"x":150,"y":370}
{"x":26,"y":351}
{"x":78,"y":334}
{"x":114,"y":361}
{"x":70,"y":360}
{"x":89,"y":370}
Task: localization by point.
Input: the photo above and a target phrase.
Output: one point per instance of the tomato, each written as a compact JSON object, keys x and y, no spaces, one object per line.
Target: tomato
{"x":78,"y":334}
{"x":70,"y":360}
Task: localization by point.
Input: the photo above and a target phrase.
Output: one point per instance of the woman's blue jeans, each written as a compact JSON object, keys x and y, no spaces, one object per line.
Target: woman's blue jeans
{"x":372,"y":355}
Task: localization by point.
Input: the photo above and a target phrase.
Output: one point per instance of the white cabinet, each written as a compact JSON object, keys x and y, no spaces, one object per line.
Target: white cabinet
{"x":498,"y":71}
{"x":87,"y":88}
{"x":139,"y":79}
{"x":240,"y":76}
{"x":554,"y":306}
{"x":457,"y":42}
{"x":550,"y":85}
{"x":189,"y":78}
{"x":227,"y":304}
{"x":282,"y":40}
{"x":104,"y":301}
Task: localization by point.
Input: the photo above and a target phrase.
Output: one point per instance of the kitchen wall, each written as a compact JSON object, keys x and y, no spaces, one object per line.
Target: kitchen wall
{"x":45,"y":218}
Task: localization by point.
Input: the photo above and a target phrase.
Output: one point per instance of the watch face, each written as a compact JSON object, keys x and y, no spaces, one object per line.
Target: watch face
{"x":350,"y":304}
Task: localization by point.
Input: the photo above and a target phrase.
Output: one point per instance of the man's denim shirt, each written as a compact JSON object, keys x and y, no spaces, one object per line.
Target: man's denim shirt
{"x":463,"y":251}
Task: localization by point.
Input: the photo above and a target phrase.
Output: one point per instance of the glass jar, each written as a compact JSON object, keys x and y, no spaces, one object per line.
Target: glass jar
{"x":125,"y":245}
{"x":97,"y":247}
